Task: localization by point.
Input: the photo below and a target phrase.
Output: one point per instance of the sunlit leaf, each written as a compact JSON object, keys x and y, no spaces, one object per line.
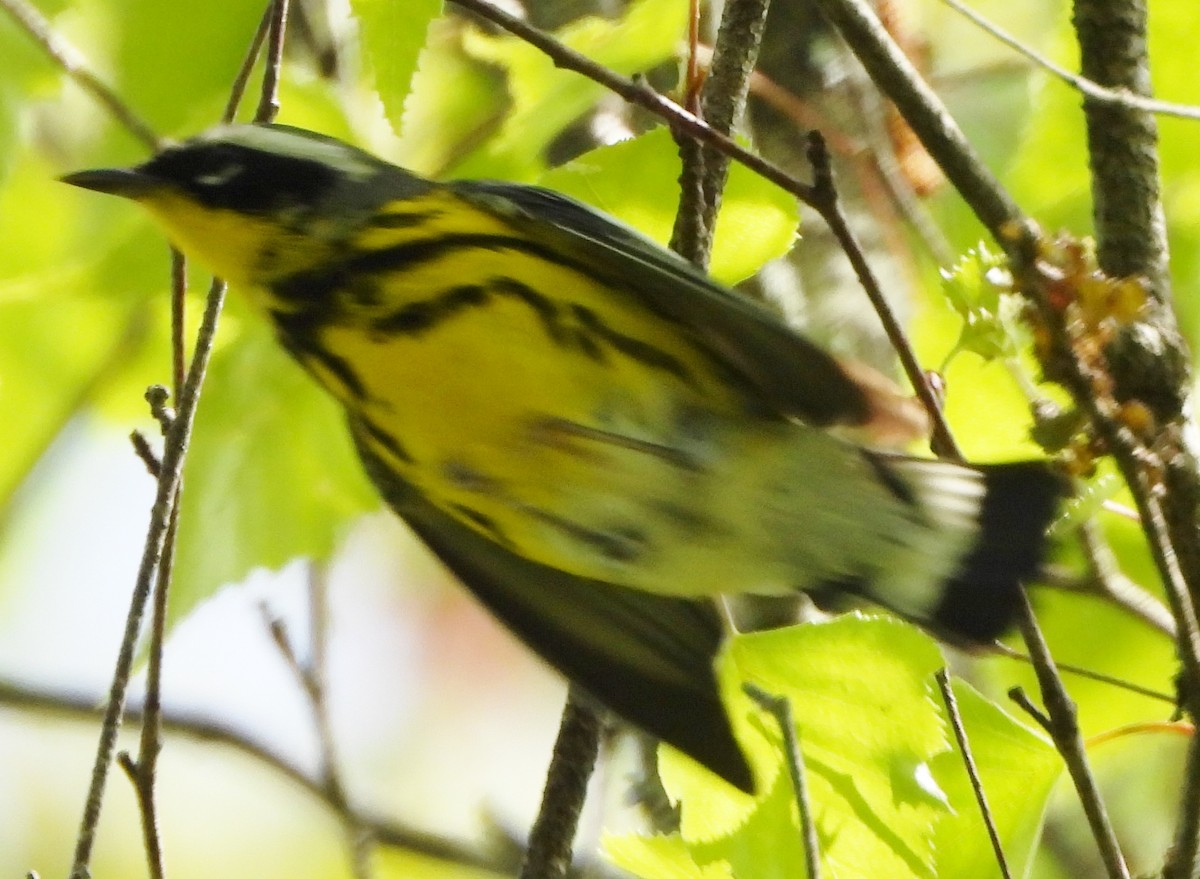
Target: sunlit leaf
{"x":860,"y":690}
{"x":392,"y":36}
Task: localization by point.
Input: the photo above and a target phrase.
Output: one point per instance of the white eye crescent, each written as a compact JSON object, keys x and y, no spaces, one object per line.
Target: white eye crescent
{"x":221,"y":175}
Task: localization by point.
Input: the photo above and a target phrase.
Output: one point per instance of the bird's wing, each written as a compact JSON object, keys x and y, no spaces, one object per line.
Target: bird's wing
{"x":647,"y":657}
{"x":788,"y":374}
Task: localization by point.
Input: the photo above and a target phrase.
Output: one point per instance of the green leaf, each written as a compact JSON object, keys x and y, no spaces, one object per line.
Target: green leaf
{"x":392,"y":36}
{"x":271,"y":475}
{"x":637,"y":181}
{"x":1017,"y":767}
{"x":861,"y":692}
{"x":978,"y":289}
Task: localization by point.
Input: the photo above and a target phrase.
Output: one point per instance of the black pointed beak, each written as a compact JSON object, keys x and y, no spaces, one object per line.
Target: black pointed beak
{"x":125,"y":182}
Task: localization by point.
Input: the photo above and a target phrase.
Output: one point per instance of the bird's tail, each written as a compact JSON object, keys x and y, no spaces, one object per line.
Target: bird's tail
{"x":1008,"y":508}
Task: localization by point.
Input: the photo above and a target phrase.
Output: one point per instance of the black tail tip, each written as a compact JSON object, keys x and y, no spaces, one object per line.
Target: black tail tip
{"x":981,"y":601}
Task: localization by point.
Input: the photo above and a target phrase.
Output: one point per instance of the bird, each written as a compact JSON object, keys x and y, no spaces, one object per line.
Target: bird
{"x":597,"y":440}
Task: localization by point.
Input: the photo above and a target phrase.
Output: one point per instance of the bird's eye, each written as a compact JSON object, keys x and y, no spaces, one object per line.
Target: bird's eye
{"x":220,"y":175}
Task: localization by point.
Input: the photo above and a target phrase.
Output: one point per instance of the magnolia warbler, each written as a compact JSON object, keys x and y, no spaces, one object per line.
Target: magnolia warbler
{"x":591,"y":434}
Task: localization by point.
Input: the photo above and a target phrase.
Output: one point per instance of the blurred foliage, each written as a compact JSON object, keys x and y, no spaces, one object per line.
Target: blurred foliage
{"x":83,"y":330}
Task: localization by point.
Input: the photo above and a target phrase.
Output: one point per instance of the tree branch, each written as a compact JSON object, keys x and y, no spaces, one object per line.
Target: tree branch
{"x":705,"y":170}
{"x":964,"y":747}
{"x":82,"y":707}
{"x":160,"y":514}
{"x":575,"y":752}
{"x":1119,"y":97}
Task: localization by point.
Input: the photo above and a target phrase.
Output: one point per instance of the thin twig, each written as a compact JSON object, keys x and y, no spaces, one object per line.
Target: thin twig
{"x":1064,"y":730}
{"x":75,"y":66}
{"x":548,"y":855}
{"x":964,"y":747}
{"x":145,"y":453}
{"x":169,"y":469}
{"x":238,"y":90}
{"x":310,"y":676}
{"x":156,"y":534}
{"x":826,"y":203}
{"x":1115,"y":589}
{"x":82,"y":707}
{"x":637,"y":92}
{"x":268,"y":104}
{"x":1082,"y":84}
{"x":144,"y":772}
{"x":160,"y":561}
{"x":1110,"y":583}
{"x":178,"y":320}
{"x":1004,"y":650}
{"x":1182,"y":860}
{"x":158,"y":397}
{"x":358,"y":840}
{"x":781,"y":709}
{"x":1021,"y":698}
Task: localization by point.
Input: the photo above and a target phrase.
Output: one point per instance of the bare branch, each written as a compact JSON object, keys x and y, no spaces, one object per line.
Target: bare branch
{"x":240,"y":81}
{"x":964,"y":747}
{"x":826,"y":203}
{"x":82,"y":707}
{"x":268,"y":105}
{"x":1092,"y":90}
{"x":1063,"y":726}
{"x":1077,"y":671}
{"x":781,"y":709}
{"x":637,"y":92}
{"x":733,"y":59}
{"x":575,"y":751}
{"x":310,"y":676}
{"x":156,"y":536}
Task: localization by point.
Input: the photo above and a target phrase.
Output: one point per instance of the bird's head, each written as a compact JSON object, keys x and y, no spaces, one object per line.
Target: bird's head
{"x":257,"y":202}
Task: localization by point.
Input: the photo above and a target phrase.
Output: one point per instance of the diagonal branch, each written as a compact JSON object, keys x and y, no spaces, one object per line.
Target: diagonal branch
{"x":1093,"y":91}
